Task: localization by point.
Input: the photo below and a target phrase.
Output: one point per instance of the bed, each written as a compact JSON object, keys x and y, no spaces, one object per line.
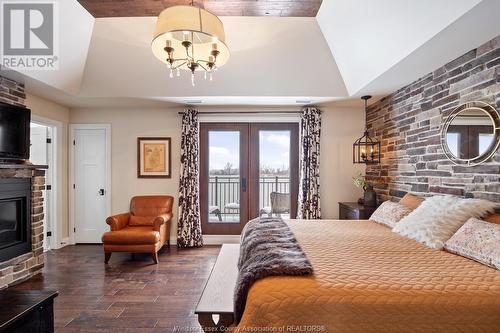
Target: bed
{"x":368,"y":279}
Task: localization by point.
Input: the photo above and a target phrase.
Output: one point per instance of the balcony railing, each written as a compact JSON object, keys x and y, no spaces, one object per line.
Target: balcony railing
{"x":224,"y":191}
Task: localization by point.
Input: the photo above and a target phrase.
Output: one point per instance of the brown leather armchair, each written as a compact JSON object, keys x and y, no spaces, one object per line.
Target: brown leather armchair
{"x":144,"y":230}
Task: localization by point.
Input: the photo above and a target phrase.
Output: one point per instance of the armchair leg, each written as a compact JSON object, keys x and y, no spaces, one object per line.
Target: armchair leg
{"x":155,"y":257}
{"x":107,"y":256}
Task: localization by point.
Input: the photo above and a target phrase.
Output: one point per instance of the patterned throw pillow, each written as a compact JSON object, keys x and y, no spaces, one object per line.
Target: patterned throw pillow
{"x":389,"y":213}
{"x":477,"y":240}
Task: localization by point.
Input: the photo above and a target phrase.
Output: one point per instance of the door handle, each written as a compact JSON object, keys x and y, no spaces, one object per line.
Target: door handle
{"x":244,"y":184}
{"x":101,"y":191}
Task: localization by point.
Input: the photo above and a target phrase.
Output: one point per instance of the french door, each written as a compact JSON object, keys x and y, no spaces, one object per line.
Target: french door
{"x":247,"y":170}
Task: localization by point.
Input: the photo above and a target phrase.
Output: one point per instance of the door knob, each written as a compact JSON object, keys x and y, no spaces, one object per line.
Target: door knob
{"x":101,"y":191}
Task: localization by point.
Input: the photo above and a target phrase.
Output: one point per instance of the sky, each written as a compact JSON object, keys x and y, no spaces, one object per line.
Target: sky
{"x":274,"y":149}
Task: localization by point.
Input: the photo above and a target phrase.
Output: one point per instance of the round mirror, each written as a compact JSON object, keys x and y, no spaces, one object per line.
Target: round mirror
{"x":471,"y":133}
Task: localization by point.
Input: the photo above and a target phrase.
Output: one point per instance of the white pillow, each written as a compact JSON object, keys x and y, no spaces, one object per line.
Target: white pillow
{"x":439,"y":217}
{"x":389,"y":213}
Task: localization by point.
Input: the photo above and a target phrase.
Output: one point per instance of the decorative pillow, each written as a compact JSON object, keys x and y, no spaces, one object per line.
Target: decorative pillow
{"x":439,"y":217}
{"x":477,"y":240}
{"x":411,"y":201}
{"x":389,"y":213}
{"x":141,"y":220}
{"x":493,"y":218}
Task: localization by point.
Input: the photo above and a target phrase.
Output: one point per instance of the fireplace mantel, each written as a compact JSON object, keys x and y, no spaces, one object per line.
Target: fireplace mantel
{"x":22,"y":166}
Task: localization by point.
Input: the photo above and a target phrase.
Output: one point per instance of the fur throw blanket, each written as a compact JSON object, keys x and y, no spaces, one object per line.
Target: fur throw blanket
{"x":268,"y":248}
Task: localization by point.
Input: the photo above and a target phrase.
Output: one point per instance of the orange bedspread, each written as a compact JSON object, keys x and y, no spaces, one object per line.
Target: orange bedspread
{"x":369,"y":279}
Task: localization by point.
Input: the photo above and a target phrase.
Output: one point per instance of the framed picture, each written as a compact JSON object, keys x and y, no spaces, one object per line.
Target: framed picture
{"x":154,"y":158}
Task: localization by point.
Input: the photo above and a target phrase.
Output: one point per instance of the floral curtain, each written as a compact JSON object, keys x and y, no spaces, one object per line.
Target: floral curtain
{"x":309,"y":196}
{"x":189,"y":226}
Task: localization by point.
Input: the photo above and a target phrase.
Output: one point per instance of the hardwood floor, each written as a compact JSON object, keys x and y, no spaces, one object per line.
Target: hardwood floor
{"x":128,"y":295}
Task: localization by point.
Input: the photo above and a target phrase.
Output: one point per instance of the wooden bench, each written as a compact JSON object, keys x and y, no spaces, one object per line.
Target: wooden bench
{"x":218,"y":294}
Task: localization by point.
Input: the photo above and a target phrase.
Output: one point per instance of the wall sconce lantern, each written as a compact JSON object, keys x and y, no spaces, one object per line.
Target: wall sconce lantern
{"x":366,"y":149}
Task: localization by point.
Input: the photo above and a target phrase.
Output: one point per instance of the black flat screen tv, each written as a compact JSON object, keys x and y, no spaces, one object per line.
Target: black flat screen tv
{"x":14,"y":132}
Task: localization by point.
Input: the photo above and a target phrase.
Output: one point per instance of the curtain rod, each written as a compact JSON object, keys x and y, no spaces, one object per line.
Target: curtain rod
{"x":246,"y":112}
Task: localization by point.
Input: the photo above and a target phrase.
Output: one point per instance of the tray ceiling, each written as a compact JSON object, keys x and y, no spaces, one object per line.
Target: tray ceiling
{"x":132,"y":8}
{"x":351,"y":48}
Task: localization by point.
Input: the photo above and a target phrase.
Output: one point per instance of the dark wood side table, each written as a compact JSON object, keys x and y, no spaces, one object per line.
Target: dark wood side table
{"x":354,"y":211}
{"x":27,"y":311}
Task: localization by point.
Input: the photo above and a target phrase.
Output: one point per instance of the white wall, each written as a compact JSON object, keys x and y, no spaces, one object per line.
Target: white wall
{"x":126,"y":126}
{"x":53,"y":111}
{"x":341,"y":126}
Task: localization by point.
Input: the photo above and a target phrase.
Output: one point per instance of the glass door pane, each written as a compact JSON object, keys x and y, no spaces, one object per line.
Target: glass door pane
{"x":274,"y":173}
{"x":224,"y":176}
{"x":273,"y":169}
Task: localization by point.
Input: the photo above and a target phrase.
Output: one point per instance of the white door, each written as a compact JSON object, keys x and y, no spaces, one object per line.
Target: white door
{"x":39,"y":155}
{"x":90,"y":204}
{"x":38,"y":148}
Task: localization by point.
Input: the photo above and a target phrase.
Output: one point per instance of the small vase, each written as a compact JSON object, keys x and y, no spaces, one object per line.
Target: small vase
{"x":370,"y":197}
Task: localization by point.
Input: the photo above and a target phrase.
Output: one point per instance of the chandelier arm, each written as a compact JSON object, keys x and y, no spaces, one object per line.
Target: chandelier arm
{"x":198,"y":62}
{"x":185,"y":62}
{"x":180,"y":59}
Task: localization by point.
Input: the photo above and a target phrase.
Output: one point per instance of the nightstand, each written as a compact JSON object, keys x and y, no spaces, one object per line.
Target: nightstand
{"x":354,"y":211}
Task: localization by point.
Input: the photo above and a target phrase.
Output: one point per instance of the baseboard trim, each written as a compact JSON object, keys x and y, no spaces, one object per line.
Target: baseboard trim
{"x":64,"y":242}
{"x":215,"y":239}
{"x":221,"y":239}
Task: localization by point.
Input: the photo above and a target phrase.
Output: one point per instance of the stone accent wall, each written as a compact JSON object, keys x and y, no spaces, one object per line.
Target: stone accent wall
{"x":12,"y":92}
{"x":25,"y":266}
{"x":408,"y":124}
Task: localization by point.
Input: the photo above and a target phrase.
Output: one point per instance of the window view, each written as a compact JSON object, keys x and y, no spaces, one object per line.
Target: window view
{"x":453,"y":139}
{"x":485,"y":141}
{"x":224,"y":176}
{"x":274,"y":173}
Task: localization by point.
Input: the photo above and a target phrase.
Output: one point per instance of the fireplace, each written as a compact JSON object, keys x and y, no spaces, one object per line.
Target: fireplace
{"x":15,"y":217}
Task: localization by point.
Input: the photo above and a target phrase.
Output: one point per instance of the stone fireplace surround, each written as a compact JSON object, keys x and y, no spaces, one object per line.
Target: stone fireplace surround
{"x":23,"y":267}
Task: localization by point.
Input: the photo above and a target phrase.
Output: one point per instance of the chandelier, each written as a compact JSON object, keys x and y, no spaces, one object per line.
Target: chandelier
{"x":366,"y":149}
{"x":191,"y":39}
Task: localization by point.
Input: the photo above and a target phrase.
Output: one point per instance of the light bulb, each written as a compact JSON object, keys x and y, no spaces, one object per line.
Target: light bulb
{"x":171,"y":73}
{"x":178,"y":72}
{"x":205,"y":75}
{"x":192,"y":79}
{"x":210,"y":76}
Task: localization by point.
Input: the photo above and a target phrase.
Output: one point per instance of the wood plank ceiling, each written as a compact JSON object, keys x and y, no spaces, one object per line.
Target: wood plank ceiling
{"x":126,"y":8}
